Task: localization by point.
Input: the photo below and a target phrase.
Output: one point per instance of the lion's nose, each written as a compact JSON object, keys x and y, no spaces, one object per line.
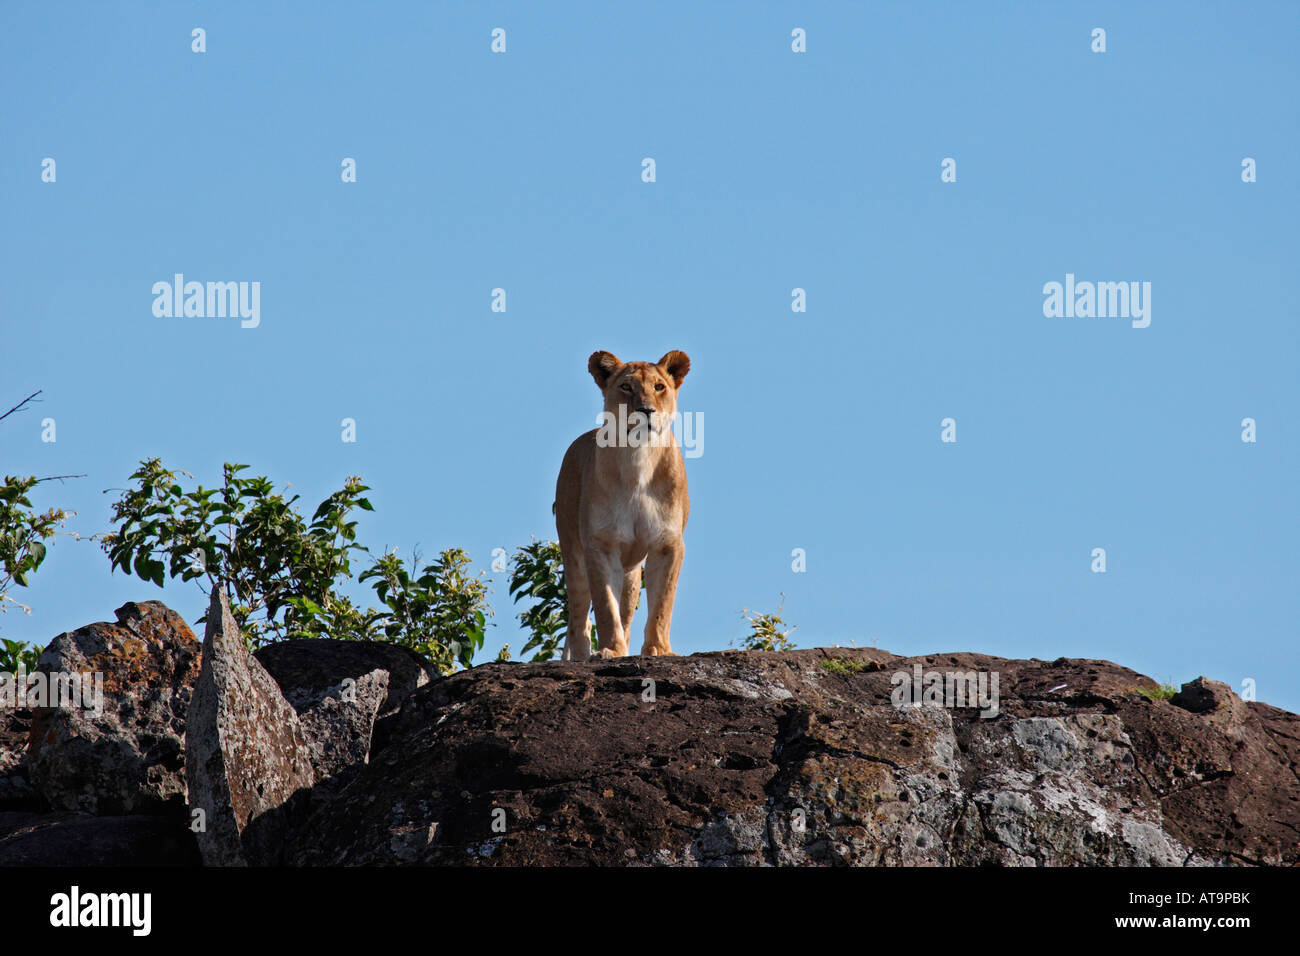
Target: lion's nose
{"x":647,"y":412}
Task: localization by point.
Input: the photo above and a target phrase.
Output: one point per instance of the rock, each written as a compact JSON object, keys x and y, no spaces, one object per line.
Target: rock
{"x":334,"y":752}
{"x":16,"y":791}
{"x":71,"y":839}
{"x":773,"y":759}
{"x":247,"y":760}
{"x":131,"y":757}
{"x":338,"y":724}
{"x":345,"y":693}
{"x":1205,"y":696}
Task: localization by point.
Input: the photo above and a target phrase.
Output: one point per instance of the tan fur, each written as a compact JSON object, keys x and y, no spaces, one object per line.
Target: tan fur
{"x":623,"y":504}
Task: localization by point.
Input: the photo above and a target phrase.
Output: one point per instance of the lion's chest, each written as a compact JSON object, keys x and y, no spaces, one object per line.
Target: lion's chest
{"x":631,"y":504}
{"x":631,"y":523}
{"x":638,"y":518}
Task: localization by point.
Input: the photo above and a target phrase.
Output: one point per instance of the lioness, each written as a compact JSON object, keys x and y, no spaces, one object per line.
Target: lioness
{"x":621,"y":500}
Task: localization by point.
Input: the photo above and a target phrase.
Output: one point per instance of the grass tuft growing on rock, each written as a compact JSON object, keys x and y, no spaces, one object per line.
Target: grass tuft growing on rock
{"x":1162,"y":692}
{"x":850,"y":665}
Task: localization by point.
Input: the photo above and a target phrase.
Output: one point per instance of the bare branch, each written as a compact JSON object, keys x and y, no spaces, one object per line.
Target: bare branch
{"x":21,"y":404}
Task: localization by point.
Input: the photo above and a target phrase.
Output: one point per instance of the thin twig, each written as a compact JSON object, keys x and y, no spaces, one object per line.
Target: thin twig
{"x":21,"y":404}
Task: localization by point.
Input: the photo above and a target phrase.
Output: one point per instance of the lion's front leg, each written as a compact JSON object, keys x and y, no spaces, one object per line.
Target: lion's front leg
{"x":577,"y":645}
{"x":663,"y":565}
{"x":605,"y":579}
{"x":628,"y":600}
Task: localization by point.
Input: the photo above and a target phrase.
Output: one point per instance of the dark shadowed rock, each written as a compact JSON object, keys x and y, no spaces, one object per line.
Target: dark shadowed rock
{"x":1205,"y":696}
{"x":772,"y":758}
{"x":16,"y":791}
{"x":71,"y":839}
{"x":131,"y":757}
{"x":246,"y":757}
{"x":345,"y":693}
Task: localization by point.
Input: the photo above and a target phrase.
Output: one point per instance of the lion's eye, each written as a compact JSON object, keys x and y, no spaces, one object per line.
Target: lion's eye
{"x":626,"y":387}
{"x":659,"y":386}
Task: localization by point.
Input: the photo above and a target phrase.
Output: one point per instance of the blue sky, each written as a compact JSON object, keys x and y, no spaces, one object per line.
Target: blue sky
{"x":775,"y":170}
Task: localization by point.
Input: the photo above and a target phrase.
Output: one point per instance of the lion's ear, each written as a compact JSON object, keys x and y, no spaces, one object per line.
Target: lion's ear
{"x":602,"y":365}
{"x":676,"y":364}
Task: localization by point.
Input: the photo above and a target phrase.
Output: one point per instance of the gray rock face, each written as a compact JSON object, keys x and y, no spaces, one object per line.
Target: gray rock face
{"x":345,"y":694}
{"x":338,"y":721}
{"x":131,"y":757}
{"x":1064,"y":795}
{"x":247,"y":760}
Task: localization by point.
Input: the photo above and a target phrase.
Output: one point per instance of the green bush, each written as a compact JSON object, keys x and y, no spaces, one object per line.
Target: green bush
{"x":283,"y":574}
{"x":441,"y":614}
{"x":538,"y":573}
{"x":23,"y":533}
{"x":14,"y":654}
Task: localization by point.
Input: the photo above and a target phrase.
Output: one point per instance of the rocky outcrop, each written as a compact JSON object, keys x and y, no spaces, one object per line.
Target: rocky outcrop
{"x":129,"y":756}
{"x":339,"y":752}
{"x":247,"y":760}
{"x":803,"y":758}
